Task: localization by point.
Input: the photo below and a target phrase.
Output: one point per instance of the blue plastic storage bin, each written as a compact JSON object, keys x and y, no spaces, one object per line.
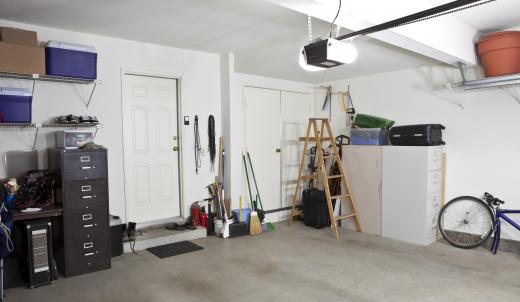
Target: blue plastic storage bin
{"x":368,"y":136}
{"x":71,"y":60}
{"x":246,"y":213}
{"x":15,"y":105}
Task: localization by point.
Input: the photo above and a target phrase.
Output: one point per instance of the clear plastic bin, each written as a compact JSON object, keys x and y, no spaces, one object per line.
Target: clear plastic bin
{"x":368,"y":136}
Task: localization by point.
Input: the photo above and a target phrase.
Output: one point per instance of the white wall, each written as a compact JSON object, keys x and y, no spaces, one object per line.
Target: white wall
{"x":200,"y":94}
{"x":482,"y":140}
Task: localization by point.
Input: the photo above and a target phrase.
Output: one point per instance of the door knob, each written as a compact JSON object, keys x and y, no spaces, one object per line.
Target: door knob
{"x":175,"y":148}
{"x":278,"y":150}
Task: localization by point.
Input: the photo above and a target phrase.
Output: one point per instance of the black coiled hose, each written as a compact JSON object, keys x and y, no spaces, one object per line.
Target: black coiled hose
{"x":211,"y":141}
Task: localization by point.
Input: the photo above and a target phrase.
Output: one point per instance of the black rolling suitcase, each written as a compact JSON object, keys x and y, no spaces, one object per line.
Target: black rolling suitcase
{"x":315,"y":209}
{"x":417,"y":135}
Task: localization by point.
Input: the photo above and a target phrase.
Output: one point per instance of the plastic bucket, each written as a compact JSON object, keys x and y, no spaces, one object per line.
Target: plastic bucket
{"x":500,"y":53}
{"x":218,"y":226}
{"x":246,"y":214}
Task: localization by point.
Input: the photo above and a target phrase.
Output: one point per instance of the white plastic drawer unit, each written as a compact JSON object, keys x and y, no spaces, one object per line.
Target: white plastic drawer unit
{"x":434,"y":203}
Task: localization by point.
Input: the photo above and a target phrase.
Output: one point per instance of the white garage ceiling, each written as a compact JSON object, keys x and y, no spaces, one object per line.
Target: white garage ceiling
{"x":264,"y":37}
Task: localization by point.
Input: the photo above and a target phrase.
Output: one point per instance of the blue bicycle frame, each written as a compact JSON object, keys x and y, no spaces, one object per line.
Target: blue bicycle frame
{"x":501,"y":214}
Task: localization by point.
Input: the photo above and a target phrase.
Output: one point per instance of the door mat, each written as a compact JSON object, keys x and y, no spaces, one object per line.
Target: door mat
{"x":172,"y":249}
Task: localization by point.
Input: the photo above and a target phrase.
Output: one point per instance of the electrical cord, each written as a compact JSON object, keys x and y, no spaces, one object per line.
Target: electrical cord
{"x":198,"y":162}
{"x":333,"y":21}
{"x":6,"y":231}
{"x":211,"y":141}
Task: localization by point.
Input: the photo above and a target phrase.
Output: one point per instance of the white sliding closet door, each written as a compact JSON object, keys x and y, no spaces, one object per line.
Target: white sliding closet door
{"x":274,"y":121}
{"x":262,"y":140}
{"x":296,"y":109}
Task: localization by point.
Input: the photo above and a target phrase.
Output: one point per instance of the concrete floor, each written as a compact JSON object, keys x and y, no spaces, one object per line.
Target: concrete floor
{"x":296,"y":264}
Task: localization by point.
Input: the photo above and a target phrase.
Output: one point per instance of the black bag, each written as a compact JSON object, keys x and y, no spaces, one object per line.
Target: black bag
{"x":36,"y":190}
{"x":417,"y":135}
{"x":315,"y":209}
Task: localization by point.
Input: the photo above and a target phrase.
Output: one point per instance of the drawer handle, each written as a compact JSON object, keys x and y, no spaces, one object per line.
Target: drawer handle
{"x":84,"y":159}
{"x":88,"y":245}
{"x":88,"y":225}
{"x":86,"y":188}
{"x":87,"y":167}
{"x":89,"y":254}
{"x":87,"y":217}
{"x":88,"y":196}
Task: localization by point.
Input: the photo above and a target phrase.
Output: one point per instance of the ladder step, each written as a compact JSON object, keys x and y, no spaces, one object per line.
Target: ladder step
{"x":297,"y":213}
{"x":331,"y":156}
{"x":335,"y":176}
{"x":345,"y":216}
{"x":309,"y":176}
{"x":313,"y":139}
{"x":339,"y":196}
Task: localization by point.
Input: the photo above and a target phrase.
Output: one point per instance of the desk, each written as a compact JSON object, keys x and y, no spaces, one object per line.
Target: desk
{"x":49,"y":212}
{"x":46,"y":213}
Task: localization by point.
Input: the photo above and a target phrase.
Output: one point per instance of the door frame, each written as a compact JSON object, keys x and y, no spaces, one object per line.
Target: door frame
{"x":244,"y":134}
{"x":152,"y":74}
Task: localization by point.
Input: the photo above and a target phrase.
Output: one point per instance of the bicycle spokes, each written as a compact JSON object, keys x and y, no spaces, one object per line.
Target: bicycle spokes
{"x":466,"y":222}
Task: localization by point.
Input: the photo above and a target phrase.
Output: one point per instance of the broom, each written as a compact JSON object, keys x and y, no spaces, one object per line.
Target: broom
{"x":269,"y":225}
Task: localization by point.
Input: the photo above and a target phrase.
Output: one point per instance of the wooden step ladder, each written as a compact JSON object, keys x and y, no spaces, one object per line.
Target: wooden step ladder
{"x":322,"y":172}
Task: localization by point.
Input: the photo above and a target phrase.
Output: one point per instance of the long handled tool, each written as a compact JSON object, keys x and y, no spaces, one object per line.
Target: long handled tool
{"x":270,"y":226}
{"x":255,"y":226}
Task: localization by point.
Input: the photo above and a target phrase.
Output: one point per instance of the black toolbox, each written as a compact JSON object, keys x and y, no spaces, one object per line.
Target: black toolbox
{"x":417,"y":135}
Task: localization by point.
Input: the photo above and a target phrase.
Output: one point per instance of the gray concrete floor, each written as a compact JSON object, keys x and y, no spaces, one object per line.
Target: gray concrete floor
{"x":296,"y":263}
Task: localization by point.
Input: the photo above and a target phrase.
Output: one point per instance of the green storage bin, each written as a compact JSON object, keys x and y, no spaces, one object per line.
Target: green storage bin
{"x":370,"y":121}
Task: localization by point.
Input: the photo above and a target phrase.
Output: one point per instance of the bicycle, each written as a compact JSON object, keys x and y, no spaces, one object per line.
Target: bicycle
{"x":468,"y":222}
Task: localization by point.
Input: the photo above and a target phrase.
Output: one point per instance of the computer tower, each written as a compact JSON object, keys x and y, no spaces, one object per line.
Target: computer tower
{"x":39,"y":267}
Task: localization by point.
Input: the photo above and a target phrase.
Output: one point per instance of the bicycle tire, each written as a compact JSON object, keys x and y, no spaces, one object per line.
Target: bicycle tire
{"x":483,"y":238}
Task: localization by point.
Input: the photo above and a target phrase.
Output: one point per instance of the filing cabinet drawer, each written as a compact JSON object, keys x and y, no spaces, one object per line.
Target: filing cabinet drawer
{"x":431,"y":226}
{"x":435,"y":158}
{"x":434,"y":181}
{"x":86,"y":256}
{"x":85,"y":194}
{"x":433,"y":203}
{"x":81,"y":224}
{"x":84,"y":165}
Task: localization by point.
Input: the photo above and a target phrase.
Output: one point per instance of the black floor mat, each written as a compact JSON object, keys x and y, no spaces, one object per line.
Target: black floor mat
{"x":173,"y":249}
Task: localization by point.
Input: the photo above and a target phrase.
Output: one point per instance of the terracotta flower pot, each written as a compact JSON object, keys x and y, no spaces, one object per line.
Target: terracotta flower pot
{"x":500,"y":53}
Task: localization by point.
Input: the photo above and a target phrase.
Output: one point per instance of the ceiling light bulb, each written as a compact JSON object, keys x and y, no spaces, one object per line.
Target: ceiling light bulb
{"x":304,"y":65}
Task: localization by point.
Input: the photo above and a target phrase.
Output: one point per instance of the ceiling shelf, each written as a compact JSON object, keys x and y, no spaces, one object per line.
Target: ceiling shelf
{"x":500,"y":81}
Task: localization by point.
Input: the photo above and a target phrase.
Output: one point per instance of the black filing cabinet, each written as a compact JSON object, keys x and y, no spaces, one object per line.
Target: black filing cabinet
{"x":81,"y":235}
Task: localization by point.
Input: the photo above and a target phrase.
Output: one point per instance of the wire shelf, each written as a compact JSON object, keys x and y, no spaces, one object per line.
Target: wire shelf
{"x":48,"y":78}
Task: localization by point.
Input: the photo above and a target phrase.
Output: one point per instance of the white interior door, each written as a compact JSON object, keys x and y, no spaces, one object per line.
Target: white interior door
{"x":296,"y":109}
{"x":262,"y":140}
{"x":150,"y":133}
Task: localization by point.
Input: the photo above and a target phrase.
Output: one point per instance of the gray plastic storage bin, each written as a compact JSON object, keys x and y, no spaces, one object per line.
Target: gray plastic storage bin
{"x":368,"y":136}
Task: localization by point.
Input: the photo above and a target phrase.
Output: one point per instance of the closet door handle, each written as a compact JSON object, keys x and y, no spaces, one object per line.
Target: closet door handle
{"x":278,"y":150}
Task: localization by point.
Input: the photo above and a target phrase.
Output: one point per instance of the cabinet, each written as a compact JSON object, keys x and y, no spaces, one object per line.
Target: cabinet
{"x":81,"y":241}
{"x":397,"y":190}
{"x":411,"y":193}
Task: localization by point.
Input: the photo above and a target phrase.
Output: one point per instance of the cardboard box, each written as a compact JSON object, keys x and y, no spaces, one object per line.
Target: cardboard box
{"x":18,"y":36}
{"x":22,"y":58}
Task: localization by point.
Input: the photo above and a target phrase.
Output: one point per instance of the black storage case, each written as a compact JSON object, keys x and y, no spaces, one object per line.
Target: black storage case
{"x":315,"y":209}
{"x":38,"y":266}
{"x":417,"y":135}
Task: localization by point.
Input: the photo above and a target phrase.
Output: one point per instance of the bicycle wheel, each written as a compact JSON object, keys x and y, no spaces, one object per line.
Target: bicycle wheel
{"x":466,"y":222}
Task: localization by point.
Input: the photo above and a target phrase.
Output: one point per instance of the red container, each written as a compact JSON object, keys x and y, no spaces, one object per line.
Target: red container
{"x":500,"y":53}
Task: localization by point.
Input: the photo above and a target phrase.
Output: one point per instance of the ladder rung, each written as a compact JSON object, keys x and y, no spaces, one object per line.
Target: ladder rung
{"x":331,"y":156}
{"x":309,"y":176}
{"x":297,"y":213}
{"x":318,"y":119}
{"x":313,"y":139}
{"x":345,"y":216}
{"x":339,"y":196}
{"x":335,"y":176}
